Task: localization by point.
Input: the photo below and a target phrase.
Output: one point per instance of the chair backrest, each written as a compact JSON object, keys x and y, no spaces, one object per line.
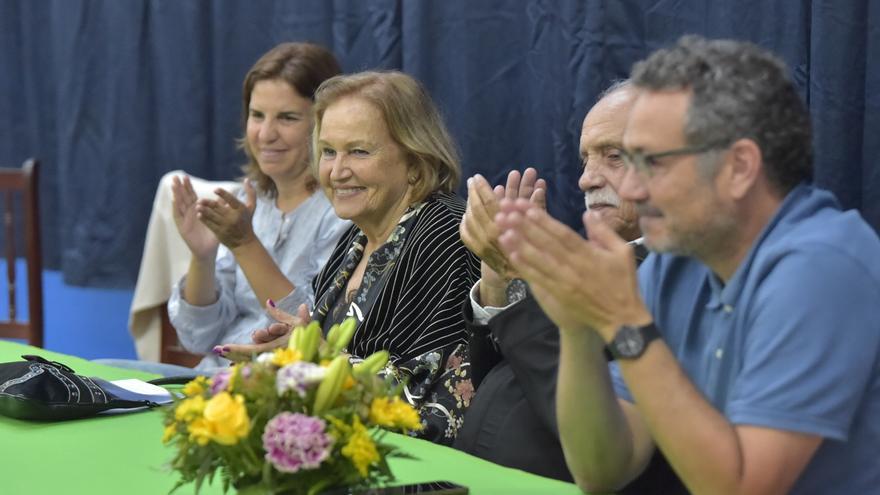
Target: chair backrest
{"x":24,"y":184}
{"x":172,"y":352}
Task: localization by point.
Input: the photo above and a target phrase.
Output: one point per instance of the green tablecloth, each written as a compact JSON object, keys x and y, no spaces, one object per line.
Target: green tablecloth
{"x":124,"y":454}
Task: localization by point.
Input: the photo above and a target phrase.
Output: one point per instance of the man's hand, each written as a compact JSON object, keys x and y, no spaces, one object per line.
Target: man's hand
{"x":228,"y":218}
{"x":580,"y":283}
{"x":478,"y":229}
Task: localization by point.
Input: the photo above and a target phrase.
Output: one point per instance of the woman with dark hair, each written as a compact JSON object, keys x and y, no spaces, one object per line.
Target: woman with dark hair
{"x":387,"y":163}
{"x":270,"y":240}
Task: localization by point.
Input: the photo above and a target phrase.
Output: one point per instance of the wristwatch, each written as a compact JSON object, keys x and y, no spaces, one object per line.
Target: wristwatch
{"x":631,"y":342}
{"x":517,"y":289}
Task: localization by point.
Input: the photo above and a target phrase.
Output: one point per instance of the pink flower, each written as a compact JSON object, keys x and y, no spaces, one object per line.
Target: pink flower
{"x":220,"y":380}
{"x":294,"y":441}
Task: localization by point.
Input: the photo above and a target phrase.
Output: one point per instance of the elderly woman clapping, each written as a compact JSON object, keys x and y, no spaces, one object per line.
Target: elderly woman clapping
{"x":387,"y":163}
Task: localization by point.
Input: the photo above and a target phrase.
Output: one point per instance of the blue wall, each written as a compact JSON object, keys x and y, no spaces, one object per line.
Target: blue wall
{"x":86,"y":322}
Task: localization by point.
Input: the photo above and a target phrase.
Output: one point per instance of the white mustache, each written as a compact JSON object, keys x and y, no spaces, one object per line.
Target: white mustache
{"x":605,"y":196}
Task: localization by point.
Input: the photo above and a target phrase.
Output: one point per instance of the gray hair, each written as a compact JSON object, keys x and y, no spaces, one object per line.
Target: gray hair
{"x":616,"y":85}
{"x":739,"y":91}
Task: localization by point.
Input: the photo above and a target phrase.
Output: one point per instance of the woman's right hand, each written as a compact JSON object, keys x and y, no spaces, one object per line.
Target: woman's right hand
{"x":266,"y":339}
{"x":286,"y":322}
{"x":201,"y":241}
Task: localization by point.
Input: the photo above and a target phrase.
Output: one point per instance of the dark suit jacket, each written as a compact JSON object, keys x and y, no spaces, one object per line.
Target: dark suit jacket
{"x":512,"y":419}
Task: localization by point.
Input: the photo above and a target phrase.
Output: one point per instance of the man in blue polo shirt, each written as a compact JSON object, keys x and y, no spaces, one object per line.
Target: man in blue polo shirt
{"x":749,"y":350}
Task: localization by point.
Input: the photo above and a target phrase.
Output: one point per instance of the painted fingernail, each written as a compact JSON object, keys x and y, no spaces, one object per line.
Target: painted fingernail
{"x":469,"y":181}
{"x":217,"y":350}
{"x":270,"y":302}
{"x":226,"y":349}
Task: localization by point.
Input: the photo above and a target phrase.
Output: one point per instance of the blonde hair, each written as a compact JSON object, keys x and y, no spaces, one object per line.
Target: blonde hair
{"x":412,"y":119}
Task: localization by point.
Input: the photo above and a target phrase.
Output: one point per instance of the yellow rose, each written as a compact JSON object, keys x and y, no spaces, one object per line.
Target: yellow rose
{"x":394,"y":413}
{"x":196,"y":386}
{"x":189,"y":409}
{"x":227,"y":418}
{"x":199,"y":431}
{"x":360,"y":448}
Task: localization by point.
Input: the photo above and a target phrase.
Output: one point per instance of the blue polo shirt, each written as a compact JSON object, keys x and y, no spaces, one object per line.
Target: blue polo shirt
{"x":792,"y":341}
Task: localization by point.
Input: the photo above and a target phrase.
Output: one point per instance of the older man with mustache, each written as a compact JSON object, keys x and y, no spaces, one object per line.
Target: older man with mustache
{"x":514,"y":346}
{"x":603,"y":165}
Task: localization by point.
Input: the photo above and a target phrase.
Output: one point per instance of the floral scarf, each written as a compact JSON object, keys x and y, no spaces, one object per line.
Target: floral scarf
{"x":333,"y":307}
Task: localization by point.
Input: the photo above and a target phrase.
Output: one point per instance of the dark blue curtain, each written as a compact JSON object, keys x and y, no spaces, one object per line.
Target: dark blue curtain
{"x":112,"y":94}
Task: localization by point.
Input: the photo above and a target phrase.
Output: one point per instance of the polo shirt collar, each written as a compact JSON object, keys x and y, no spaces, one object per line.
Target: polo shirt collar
{"x":727,"y":295}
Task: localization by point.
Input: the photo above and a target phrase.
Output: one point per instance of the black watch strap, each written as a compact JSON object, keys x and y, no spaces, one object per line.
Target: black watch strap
{"x":631,"y":342}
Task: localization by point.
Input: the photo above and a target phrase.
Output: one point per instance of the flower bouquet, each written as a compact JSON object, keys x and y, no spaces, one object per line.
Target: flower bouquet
{"x":299,"y":420}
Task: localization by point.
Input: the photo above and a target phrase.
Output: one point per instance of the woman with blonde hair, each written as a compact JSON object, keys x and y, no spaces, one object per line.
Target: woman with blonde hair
{"x":386,"y":161}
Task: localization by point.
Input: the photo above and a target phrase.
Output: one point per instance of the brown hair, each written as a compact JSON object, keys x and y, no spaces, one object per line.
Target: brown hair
{"x":304,"y":66}
{"x":413,"y":122}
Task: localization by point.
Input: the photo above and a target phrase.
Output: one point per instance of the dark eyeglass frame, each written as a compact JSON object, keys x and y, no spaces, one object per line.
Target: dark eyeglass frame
{"x":642,"y":162}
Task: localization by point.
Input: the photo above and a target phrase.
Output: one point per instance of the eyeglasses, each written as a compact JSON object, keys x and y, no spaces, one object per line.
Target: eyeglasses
{"x":645,"y":163}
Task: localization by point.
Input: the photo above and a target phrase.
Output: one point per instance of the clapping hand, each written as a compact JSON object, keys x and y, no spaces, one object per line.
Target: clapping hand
{"x":228,"y":218}
{"x":478,"y":229}
{"x":197,"y":236}
{"x":580,"y":283}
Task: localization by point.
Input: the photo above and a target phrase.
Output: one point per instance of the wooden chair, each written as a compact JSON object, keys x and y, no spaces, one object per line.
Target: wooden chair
{"x":23,"y":183}
{"x":172,"y":352}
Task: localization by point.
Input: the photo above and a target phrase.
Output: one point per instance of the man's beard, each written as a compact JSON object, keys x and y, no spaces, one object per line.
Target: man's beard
{"x":715,"y":238}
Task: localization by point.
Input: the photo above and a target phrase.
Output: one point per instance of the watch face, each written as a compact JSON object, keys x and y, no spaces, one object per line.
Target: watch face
{"x":517,"y":290}
{"x":631,"y":343}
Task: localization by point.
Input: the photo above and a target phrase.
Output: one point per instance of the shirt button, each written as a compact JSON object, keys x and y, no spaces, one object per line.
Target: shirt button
{"x":728,"y":308}
{"x":719,"y":353}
